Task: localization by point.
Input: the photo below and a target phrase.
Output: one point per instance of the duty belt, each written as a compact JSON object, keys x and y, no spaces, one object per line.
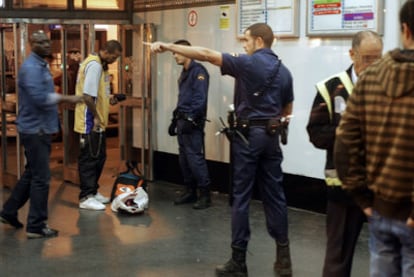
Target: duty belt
{"x":181,"y":115}
{"x":258,"y":122}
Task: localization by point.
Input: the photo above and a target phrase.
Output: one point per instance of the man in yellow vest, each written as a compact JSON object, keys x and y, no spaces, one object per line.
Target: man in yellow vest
{"x":344,"y":219}
{"x":91,"y":119}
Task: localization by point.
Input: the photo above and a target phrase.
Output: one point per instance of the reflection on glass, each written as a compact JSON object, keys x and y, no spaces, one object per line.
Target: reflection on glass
{"x":100,"y":4}
{"x":48,"y":4}
{"x":62,"y":4}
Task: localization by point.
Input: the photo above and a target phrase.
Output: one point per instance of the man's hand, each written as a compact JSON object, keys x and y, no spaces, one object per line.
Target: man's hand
{"x":368,"y":211}
{"x":410,"y":222}
{"x":172,"y":129}
{"x":116,"y":98}
{"x":96,"y":124}
{"x":113,"y":101}
{"x":159,"y":47}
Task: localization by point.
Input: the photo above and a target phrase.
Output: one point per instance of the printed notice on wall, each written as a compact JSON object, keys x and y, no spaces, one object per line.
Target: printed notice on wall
{"x":344,"y":17}
{"x":250,"y":12}
{"x":281,"y":15}
{"x":224,"y":17}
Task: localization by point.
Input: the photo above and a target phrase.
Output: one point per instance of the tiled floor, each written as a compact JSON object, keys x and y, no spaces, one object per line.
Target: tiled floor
{"x":166,"y":241}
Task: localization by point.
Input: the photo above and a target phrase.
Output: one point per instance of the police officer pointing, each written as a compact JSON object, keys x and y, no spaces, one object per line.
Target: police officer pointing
{"x":263,"y":95}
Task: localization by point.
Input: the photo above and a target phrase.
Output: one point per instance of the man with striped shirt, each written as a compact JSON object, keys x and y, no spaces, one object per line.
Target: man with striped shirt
{"x":374,"y":153}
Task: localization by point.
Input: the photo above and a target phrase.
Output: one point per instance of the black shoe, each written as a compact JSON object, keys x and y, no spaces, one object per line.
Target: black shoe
{"x":46,"y":232}
{"x":231,"y":269}
{"x":283,"y":265}
{"x":13,"y":221}
{"x":202,"y":203}
{"x":186,"y":197}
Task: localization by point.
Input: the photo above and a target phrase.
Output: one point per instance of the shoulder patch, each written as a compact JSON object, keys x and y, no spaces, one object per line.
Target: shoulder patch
{"x":201,"y":77}
{"x":234,"y":54}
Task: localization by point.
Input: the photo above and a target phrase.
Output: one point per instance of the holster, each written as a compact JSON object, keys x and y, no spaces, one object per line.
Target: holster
{"x":284,"y":130}
{"x":273,"y":126}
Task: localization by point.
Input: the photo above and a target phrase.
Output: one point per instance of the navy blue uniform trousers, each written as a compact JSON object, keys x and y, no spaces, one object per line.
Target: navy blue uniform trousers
{"x":258,"y":163}
{"x":191,"y":157}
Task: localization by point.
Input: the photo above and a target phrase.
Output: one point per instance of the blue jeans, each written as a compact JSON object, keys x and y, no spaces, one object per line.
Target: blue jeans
{"x":391,"y":247}
{"x":34,"y":182}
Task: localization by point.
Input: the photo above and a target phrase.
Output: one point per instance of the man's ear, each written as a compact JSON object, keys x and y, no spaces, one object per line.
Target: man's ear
{"x":352,"y":54}
{"x":260,"y":41}
{"x":406,"y":32}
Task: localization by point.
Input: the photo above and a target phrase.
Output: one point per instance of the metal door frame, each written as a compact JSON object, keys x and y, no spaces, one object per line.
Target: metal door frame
{"x":136,"y":139}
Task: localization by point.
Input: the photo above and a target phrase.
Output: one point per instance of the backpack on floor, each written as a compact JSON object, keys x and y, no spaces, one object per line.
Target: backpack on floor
{"x":129,"y":191}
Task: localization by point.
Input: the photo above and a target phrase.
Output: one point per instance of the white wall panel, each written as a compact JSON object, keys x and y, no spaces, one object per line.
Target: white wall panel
{"x":309,"y":59}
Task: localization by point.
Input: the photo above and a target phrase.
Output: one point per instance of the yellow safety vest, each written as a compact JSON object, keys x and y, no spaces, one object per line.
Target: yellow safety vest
{"x":321,"y":87}
{"x":331,"y":176}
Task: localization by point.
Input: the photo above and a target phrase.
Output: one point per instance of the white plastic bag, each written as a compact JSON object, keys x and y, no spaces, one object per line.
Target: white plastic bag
{"x":133,"y":202}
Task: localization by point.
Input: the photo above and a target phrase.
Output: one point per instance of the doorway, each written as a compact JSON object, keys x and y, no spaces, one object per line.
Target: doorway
{"x":129,"y":121}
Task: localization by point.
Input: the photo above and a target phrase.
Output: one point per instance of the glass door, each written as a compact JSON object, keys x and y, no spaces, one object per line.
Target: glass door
{"x":136,"y":143}
{"x":11,"y":158}
{"x":77,"y":41}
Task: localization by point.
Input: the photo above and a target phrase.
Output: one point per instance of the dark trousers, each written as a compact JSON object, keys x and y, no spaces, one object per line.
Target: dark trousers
{"x":191,"y":157}
{"x":343,"y":225}
{"x":258,"y":163}
{"x":34,"y":182}
{"x":92,"y":157}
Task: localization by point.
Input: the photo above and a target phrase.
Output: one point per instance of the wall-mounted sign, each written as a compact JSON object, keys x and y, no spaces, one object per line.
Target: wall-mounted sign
{"x":344,"y":17}
{"x":224,"y":17}
{"x":281,"y":15}
{"x":192,"y":18}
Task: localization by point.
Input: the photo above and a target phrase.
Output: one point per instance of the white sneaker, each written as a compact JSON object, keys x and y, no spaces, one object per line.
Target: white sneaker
{"x":91,"y":204}
{"x":102,"y":199}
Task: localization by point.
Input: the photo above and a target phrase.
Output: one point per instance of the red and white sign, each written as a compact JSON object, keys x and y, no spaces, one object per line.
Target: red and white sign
{"x":192,"y":18}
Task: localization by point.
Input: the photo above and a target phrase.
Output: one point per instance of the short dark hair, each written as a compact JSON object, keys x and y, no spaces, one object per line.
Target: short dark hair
{"x":262,"y":30}
{"x":183,"y":42}
{"x":407,"y":15}
{"x":112,"y":46}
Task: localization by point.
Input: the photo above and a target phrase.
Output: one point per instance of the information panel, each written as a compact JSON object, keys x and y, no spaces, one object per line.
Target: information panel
{"x":344,"y":17}
{"x":281,"y":15}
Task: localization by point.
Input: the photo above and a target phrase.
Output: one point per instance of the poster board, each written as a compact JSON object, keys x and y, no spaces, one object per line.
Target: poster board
{"x":281,"y":15}
{"x":344,"y":17}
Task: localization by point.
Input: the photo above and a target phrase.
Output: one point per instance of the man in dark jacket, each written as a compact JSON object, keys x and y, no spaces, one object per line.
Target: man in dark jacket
{"x":344,"y":219}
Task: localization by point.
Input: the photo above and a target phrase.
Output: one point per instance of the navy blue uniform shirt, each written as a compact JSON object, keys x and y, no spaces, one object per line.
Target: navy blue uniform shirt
{"x":193,"y":91}
{"x":263,"y":84}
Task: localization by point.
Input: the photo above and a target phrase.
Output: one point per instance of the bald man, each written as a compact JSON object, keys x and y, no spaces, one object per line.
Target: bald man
{"x":344,"y":219}
{"x":37,"y":120}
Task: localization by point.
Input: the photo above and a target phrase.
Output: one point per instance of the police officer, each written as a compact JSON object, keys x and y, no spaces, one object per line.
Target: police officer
{"x":188,"y":123}
{"x":263,"y":94}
